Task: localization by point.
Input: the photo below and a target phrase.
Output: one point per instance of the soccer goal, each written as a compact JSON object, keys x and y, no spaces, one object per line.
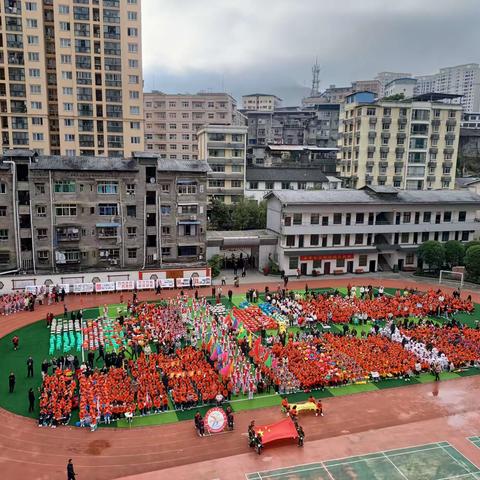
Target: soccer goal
{"x":447,"y":276}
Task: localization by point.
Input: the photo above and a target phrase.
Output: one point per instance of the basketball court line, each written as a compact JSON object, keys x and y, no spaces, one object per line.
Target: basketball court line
{"x":323,"y":467}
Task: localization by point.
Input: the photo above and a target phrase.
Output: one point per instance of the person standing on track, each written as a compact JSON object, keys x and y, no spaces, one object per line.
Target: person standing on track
{"x":70,"y":470}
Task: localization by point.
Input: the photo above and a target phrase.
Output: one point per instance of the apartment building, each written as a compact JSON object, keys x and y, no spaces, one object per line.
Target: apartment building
{"x":384,"y":78}
{"x":470,"y":120}
{"x":261,"y":180}
{"x":224,"y":148}
{"x":71,"y":77}
{"x":377,"y":228}
{"x":63,"y":213}
{"x":460,"y":80}
{"x":173,"y":121}
{"x":401,"y":86}
{"x":264,"y":102}
{"x":316,"y":125}
{"x":411,"y":144}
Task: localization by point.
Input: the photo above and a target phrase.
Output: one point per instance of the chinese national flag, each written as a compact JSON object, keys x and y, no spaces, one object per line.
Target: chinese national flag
{"x":277,"y":431}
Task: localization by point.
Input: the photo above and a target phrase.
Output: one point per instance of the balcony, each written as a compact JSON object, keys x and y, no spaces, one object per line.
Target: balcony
{"x":68,"y":234}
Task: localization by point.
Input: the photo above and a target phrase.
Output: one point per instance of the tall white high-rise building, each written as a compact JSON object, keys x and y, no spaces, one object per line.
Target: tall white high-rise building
{"x":460,"y":79}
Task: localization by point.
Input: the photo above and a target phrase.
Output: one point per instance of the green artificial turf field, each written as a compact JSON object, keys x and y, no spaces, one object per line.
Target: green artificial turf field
{"x":34,"y":341}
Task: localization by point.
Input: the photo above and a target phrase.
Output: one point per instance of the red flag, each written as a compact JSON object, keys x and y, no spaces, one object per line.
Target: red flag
{"x":256,"y":348}
{"x":276,"y":431}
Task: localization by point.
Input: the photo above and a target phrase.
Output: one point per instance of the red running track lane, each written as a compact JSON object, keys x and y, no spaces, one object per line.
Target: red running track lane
{"x":27,"y":451}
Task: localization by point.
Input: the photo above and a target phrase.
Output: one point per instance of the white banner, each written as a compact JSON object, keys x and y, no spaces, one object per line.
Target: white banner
{"x":166,"y":282}
{"x":183,"y":282}
{"x":82,"y":287}
{"x":59,"y":287}
{"x":31,"y":289}
{"x":105,"y":287}
{"x":202,"y":281}
{"x":146,"y":284}
{"x":125,"y":285}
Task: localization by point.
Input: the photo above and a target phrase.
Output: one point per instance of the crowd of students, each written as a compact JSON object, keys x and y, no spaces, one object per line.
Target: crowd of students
{"x":57,"y":398}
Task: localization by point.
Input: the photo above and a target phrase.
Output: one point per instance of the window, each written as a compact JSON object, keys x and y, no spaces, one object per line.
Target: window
{"x":447,"y":216}
{"x":132,"y":253}
{"x":41,"y":233}
{"x":407,"y":217}
{"x":36,"y":105}
{"x":362,"y":260}
{"x":293,"y":263}
{"x":3,"y":234}
{"x":41,"y":211}
{"x":465,"y":236}
{"x":32,"y":23}
{"x":189,"y":189}
{"x":166,"y":210}
{"x":131,"y":210}
{"x":427,"y":217}
{"x":32,"y":39}
{"x":107,"y":188}
{"x":297,"y":218}
{"x":340,"y":262}
{"x":131,"y":232}
{"x":358,"y":238}
{"x":64,"y":9}
{"x":268,"y":185}
{"x":135,"y":110}
{"x":405,"y":237}
{"x":445,"y":236}
{"x":66,"y":210}
{"x":64,"y":186}
{"x":462,"y":216}
{"x":252,"y":185}
{"x":37,"y":137}
{"x":3,"y":211}
{"x":359,"y":218}
{"x":317,"y":264}
{"x":314,"y":239}
{"x":337,"y":218}
{"x":236,"y":183}
{"x":165,"y":230}
{"x":337,"y":239}
{"x":34,"y":72}
{"x":34,"y":56}
{"x":290,"y":240}
{"x":107,"y":209}
{"x":314,"y":219}
{"x":425,"y":236}
{"x":409,"y":258}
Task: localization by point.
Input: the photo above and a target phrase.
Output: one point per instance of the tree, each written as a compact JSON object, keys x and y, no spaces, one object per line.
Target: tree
{"x":472,"y":262}
{"x":454,"y":253}
{"x":473,"y":243}
{"x":432,"y":253}
{"x":220,"y":216}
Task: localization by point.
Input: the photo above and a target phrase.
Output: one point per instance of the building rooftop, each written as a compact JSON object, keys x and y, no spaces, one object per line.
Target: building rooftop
{"x":435,"y":97}
{"x":271,"y":174}
{"x":104,"y":164}
{"x":170,"y":165}
{"x":300,"y":148}
{"x":19,"y":153}
{"x":302,"y":197}
{"x":464,"y":182}
{"x":261,"y":95}
{"x":220,"y":234}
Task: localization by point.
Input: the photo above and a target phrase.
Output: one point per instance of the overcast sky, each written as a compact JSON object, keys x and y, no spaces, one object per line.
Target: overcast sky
{"x":246,"y":46}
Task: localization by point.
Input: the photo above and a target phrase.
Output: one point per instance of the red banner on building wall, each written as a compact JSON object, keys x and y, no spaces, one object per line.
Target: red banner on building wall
{"x":335,"y":256}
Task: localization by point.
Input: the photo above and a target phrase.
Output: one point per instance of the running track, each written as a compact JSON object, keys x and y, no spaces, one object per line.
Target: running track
{"x":354,"y":424}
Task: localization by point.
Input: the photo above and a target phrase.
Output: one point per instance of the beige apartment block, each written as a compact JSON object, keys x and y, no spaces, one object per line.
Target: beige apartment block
{"x":71,"y":77}
{"x":261,"y":101}
{"x":224,"y":148}
{"x":173,"y":121}
{"x":411,"y":144}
